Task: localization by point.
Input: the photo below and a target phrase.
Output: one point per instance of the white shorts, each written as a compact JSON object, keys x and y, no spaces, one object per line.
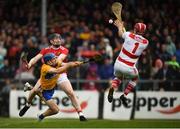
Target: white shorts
{"x":63,"y":77}
{"x":121,"y":69}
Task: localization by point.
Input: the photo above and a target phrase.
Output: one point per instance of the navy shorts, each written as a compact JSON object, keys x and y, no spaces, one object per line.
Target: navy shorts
{"x":47,"y":94}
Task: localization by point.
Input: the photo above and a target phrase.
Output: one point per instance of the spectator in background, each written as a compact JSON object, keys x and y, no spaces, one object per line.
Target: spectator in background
{"x":14,"y":51}
{"x":91,"y":75}
{"x":105,"y":71}
{"x":175,"y":68}
{"x":7,"y":87}
{"x":1,"y":62}
{"x":3,"y":50}
{"x":144,"y":68}
{"x":170,"y":71}
{"x":117,"y":49}
{"x":158,"y":65}
{"x":24,"y":74}
{"x":156,"y":50}
{"x":178,"y":53}
{"x":162,"y":75}
{"x":108,"y":48}
{"x":4,"y":94}
{"x":7,"y":71}
{"x":164,"y":55}
{"x":31,"y":47}
{"x":21,"y":20}
{"x":43,"y":43}
{"x":170,"y":46}
{"x":173,"y":63}
{"x":85,"y":35}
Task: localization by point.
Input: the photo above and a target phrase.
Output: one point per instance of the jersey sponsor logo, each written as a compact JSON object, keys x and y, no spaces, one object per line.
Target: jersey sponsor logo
{"x":65,"y":101}
{"x":117,"y":103}
{"x":171,"y":110}
{"x":153,"y":102}
{"x":150,"y":103}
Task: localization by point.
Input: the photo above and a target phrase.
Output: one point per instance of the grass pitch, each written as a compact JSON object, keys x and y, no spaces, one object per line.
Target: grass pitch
{"x":92,"y":123}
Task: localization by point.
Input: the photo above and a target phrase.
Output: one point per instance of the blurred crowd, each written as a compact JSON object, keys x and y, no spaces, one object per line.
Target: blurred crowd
{"x":84,"y":26}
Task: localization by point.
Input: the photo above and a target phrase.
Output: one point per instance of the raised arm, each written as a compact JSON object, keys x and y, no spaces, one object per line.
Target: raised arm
{"x":120,"y":26}
{"x":34,"y":60}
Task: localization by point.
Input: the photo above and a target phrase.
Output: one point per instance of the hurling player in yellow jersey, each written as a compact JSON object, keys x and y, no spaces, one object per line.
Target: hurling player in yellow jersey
{"x":50,"y":72}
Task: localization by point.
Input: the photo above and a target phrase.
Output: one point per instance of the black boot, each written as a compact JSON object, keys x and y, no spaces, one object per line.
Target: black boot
{"x":110,"y":94}
{"x":124,"y":100}
{"x":82,"y":118}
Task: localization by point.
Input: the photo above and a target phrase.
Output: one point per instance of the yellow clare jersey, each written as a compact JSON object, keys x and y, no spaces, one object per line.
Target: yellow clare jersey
{"x":48,"y":80}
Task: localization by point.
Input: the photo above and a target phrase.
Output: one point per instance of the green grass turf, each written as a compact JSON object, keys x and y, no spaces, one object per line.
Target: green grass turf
{"x":92,"y":123}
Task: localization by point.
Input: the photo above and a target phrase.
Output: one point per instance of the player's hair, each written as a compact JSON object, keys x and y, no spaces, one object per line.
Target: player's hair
{"x":54,"y":35}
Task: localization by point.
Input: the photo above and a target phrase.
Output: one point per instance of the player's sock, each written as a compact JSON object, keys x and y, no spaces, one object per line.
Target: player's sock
{"x":114,"y":86}
{"x":129,"y":88}
{"x":115,"y":83}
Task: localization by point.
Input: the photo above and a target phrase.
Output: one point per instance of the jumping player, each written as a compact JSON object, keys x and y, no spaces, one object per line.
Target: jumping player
{"x":62,"y":82}
{"x":134,"y":45}
{"x":50,"y":72}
